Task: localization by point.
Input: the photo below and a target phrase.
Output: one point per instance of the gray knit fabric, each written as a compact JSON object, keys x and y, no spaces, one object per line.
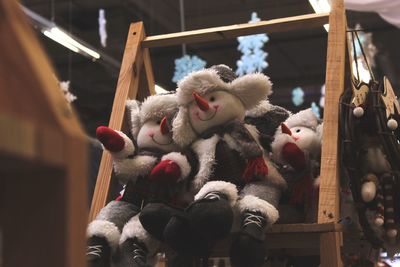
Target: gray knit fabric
{"x":118,"y":212}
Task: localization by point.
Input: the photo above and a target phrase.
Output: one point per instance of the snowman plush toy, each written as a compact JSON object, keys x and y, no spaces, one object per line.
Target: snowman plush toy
{"x":232,"y":183}
{"x":297,"y":148}
{"x":117,"y":227}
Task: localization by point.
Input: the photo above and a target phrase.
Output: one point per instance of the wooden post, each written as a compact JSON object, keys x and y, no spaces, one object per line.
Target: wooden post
{"x":328,"y":210}
{"x":127,"y":88}
{"x":42,"y":154}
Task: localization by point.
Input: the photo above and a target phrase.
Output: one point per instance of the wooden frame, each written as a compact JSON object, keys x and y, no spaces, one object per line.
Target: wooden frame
{"x":326,"y":232}
{"x":43,"y":192}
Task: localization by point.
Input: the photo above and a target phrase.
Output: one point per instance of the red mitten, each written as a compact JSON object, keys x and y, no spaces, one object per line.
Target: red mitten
{"x":255,"y":168}
{"x":111,"y":140}
{"x":293,"y":155}
{"x":165,"y":171}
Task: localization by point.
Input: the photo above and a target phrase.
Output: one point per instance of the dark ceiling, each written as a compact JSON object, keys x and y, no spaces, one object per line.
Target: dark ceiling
{"x":295,"y":58}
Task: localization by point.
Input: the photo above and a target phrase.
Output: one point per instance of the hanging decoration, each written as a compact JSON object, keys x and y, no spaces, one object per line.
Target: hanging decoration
{"x":102,"y":27}
{"x":322,"y":98}
{"x":297,"y":96}
{"x":253,"y":57}
{"x":316,"y":110}
{"x":187,"y":63}
{"x":64,"y":86}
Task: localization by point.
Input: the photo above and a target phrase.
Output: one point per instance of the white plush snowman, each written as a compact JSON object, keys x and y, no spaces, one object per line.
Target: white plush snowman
{"x":117,"y":226}
{"x":297,"y":147}
{"x":232,"y":175}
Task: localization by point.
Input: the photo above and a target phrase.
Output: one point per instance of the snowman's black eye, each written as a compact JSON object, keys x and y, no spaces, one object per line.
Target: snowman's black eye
{"x":212,"y":99}
{"x":298,"y":130}
{"x":158,"y":122}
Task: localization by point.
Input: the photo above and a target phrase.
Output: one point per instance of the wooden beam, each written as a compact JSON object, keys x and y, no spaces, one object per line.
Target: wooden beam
{"x":233,"y":31}
{"x":127,"y":87}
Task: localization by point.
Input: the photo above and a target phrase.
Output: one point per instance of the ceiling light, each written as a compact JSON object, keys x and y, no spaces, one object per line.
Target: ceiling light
{"x":321,"y":6}
{"x":160,"y":90}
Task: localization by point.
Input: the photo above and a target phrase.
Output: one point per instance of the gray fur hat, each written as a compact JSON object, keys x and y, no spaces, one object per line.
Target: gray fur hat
{"x":250,"y":89}
{"x":154,"y":107}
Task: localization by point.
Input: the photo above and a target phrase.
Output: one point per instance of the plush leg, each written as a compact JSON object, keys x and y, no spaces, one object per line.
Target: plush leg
{"x":137,"y":247}
{"x":207,"y":219}
{"x":248,"y":249}
{"x":105,"y":231}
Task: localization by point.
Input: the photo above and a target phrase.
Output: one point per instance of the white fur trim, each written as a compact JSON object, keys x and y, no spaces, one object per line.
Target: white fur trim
{"x":205,"y":151}
{"x":304,"y":118}
{"x":157,"y":106}
{"x":128,"y":149}
{"x":280,"y":140}
{"x":182,"y":131}
{"x":251,"y":89}
{"x":133,"y":228}
{"x":182,"y":162}
{"x":253,"y":203}
{"x":133,"y":107}
{"x":105,"y":229}
{"x":129,"y":169}
{"x":223,"y":187}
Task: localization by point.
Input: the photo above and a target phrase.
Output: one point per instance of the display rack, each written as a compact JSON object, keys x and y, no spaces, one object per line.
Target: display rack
{"x":43,"y":192}
{"x":136,"y":81}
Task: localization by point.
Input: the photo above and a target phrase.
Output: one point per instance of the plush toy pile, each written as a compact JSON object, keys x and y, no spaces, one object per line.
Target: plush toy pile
{"x":212,"y":159}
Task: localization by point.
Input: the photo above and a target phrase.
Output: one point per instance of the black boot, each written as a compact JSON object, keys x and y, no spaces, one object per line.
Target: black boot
{"x":206,"y":220}
{"x":98,"y":252}
{"x":133,"y":253}
{"x":155,"y":216}
{"x":248,"y":249}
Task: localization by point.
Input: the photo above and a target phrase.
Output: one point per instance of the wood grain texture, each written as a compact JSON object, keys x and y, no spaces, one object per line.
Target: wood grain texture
{"x":127,"y":87}
{"x":233,"y":31}
{"x":328,"y":210}
{"x":330,"y":244}
{"x":43,"y":155}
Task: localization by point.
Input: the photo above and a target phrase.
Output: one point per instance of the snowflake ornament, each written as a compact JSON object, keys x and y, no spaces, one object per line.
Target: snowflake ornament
{"x":102,"y":27}
{"x":253,"y":58}
{"x":316,"y":110}
{"x":64,"y":86}
{"x":297,"y":96}
{"x":186,"y":65}
{"x":322,"y":98}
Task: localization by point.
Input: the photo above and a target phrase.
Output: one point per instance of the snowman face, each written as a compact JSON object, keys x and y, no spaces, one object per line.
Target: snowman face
{"x":306,"y":139}
{"x":151,"y":136}
{"x":222,"y":107}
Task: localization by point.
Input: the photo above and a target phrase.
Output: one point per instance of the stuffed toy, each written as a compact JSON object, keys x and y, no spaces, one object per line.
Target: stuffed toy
{"x":233,"y":182}
{"x":297,"y":148}
{"x":117,"y":227}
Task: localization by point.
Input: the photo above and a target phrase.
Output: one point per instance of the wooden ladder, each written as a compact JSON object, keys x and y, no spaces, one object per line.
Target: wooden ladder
{"x":43,"y":159}
{"x":136,"y":81}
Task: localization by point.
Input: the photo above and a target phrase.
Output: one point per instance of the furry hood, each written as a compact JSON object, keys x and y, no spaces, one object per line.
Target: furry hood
{"x":304,"y":118}
{"x":154,"y":107}
{"x":250,"y":89}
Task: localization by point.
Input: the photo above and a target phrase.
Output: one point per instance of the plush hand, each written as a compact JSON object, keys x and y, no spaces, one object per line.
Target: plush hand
{"x":255,"y":168}
{"x":165,"y":171}
{"x":110,"y":139}
{"x":294,"y":156}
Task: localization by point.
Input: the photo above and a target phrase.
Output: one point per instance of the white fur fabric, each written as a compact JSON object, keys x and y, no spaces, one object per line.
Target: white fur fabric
{"x":134,"y":228}
{"x":223,"y":187}
{"x":253,"y":203}
{"x":182,"y":162}
{"x":280,"y":140}
{"x":205,"y":151}
{"x":263,"y":107}
{"x":182,"y":131}
{"x":133,"y":107}
{"x":105,"y":229}
{"x":304,"y":118}
{"x":129,"y":169}
{"x":250,"y":89}
{"x":128,"y":149}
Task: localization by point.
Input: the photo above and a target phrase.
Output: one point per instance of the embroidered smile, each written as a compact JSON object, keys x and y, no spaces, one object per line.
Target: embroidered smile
{"x":209,"y":117}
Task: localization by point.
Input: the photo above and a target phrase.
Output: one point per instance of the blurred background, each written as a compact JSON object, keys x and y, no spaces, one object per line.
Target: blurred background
{"x":296,"y":60}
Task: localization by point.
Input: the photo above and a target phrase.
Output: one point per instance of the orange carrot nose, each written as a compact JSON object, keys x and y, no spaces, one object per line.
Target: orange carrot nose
{"x":285,"y":129}
{"x":164,"y":127}
{"x":201,"y":102}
